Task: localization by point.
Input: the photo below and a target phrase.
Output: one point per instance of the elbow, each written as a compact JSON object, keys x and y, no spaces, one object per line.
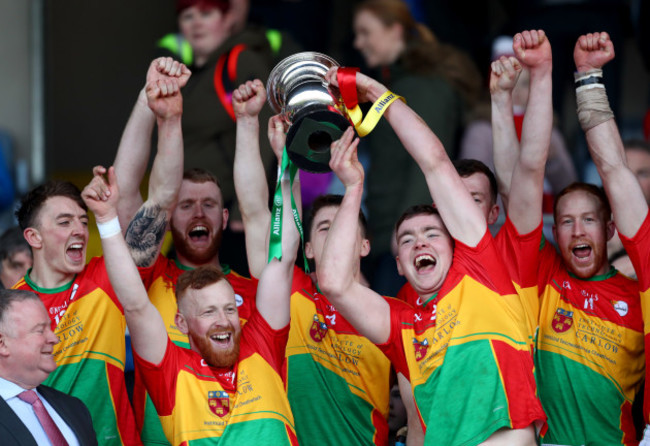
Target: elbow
{"x":331,"y":284}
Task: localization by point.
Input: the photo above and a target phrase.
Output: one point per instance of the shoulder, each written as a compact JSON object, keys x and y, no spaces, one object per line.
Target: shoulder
{"x":56,"y":396}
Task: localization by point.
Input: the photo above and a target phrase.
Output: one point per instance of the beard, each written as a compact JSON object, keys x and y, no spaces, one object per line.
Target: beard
{"x":184,"y":247}
{"x":218,"y":358}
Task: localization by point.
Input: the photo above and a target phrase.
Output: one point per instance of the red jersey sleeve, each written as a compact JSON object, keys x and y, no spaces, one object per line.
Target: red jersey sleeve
{"x":638,"y":248}
{"x":266,"y":341}
{"x":159,"y":378}
{"x":401,"y":315}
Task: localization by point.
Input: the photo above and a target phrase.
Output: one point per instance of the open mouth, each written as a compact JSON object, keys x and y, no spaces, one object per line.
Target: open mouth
{"x":75,"y":252}
{"x":199,"y":233}
{"x":424,"y":262}
{"x":222,"y":339}
{"x":582,"y":251}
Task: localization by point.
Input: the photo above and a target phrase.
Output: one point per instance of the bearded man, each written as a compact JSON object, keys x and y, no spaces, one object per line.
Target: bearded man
{"x":228,"y":385}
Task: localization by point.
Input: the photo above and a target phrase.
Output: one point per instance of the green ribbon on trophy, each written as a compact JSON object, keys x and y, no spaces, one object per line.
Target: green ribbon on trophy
{"x":287,"y":169}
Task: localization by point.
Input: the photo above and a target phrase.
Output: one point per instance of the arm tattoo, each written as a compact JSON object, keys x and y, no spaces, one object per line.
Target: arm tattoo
{"x":145,"y":234}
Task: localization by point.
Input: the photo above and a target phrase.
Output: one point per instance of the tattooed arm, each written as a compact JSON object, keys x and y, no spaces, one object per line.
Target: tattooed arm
{"x":146,"y":230}
{"x":145,"y":234}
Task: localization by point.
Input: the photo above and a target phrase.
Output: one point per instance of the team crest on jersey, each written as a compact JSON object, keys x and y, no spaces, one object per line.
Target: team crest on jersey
{"x":219,"y":403}
{"x":620,"y":307}
{"x":318,"y":329}
{"x":420,"y":349}
{"x":562,"y":321}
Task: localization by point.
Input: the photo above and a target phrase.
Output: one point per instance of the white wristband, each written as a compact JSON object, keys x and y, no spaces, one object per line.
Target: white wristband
{"x":110,"y":228}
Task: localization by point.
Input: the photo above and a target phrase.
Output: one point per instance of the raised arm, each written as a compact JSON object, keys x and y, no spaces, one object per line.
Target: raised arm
{"x":366,"y":310}
{"x":504,"y":74}
{"x":146,"y":326}
{"x":274,"y":288}
{"x":249,"y":174}
{"x":133,"y":152}
{"x":527,"y":187}
{"x":147,"y":228}
{"x":462,"y":217}
{"x":591,"y":53}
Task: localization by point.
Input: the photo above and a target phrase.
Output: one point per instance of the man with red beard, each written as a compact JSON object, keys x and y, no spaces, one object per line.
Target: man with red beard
{"x":197,"y":220}
{"x":228,"y":385}
{"x":590,"y":328}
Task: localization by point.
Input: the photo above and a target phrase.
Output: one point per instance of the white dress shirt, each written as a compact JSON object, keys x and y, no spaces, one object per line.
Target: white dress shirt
{"x":9,"y":392}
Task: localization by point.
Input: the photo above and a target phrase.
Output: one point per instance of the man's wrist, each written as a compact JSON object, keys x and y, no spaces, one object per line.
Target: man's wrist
{"x":248,"y":121}
{"x":585,"y":68}
{"x":501,"y":97}
{"x":375,"y":90}
{"x":108,"y":226}
{"x":169,"y":120}
{"x":591,"y":98}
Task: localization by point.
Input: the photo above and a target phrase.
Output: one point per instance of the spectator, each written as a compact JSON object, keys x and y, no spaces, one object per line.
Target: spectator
{"x":15,"y":257}
{"x":32,"y":413}
{"x":208,"y":118}
{"x":439,"y":83}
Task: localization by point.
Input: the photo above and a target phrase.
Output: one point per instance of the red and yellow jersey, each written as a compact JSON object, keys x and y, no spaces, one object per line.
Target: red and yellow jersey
{"x":470,"y":341}
{"x":524,"y":280}
{"x":589,"y":349}
{"x":89,"y":322}
{"x":638,"y":248}
{"x":338,"y":381}
{"x":244,"y":405}
{"x":160,"y":281}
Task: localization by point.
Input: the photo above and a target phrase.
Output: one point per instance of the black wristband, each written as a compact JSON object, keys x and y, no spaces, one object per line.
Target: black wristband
{"x":589,"y":81}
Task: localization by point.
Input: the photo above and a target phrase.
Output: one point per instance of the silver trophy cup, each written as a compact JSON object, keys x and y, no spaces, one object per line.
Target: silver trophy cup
{"x":297,"y":90}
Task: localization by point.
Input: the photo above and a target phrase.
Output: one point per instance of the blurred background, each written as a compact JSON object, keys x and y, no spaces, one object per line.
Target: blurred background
{"x":71,"y":69}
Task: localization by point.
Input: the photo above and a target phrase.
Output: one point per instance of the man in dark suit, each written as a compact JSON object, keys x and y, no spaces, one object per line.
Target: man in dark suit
{"x":30,"y":413}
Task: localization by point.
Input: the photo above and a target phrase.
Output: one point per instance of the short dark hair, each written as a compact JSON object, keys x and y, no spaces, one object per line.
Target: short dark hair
{"x":33,"y":201}
{"x":327,"y":200}
{"x":592,"y":189}
{"x":412,"y":211}
{"x":11,"y":242}
{"x":197,"y":279}
{"x":9,"y":296}
{"x":468,"y":167}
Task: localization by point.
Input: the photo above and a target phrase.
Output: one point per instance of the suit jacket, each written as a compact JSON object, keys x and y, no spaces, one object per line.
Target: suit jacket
{"x":71,"y":409}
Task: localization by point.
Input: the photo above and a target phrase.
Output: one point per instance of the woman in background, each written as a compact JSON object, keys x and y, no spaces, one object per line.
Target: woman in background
{"x":439,"y":82}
